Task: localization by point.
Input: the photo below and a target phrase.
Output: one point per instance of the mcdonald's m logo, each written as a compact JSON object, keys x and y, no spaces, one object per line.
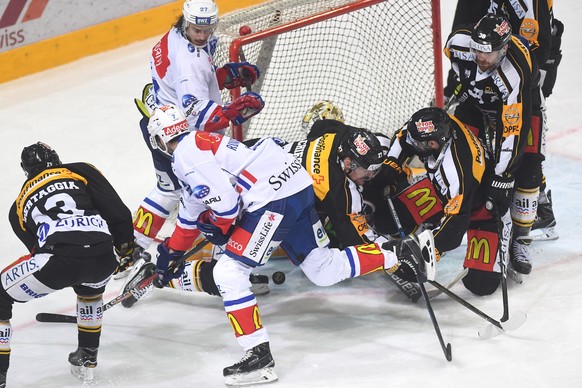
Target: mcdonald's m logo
{"x":423,"y":199}
{"x":479,"y":250}
{"x":14,"y":10}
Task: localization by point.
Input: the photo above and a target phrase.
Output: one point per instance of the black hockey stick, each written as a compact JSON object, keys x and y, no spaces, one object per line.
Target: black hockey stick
{"x":504,"y":231}
{"x":446,"y":348}
{"x":516,"y":321}
{"x":136,"y":292}
{"x":411,"y":290}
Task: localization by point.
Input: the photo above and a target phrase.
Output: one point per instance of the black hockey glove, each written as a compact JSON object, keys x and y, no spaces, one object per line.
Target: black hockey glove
{"x":500,"y":192}
{"x":164,"y":258}
{"x":127,"y":255}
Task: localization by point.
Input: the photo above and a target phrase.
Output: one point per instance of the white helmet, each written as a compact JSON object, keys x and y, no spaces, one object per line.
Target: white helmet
{"x":323,"y":109}
{"x":166,"y":124}
{"x":200,"y":12}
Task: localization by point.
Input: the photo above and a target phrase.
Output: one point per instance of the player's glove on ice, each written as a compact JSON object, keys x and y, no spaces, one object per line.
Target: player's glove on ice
{"x":164,"y":258}
{"x":237,"y":74}
{"x":243,"y":107}
{"x":212,"y":232}
{"x":500,"y":192}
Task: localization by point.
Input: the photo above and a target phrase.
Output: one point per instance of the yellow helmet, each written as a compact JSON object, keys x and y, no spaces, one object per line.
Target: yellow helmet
{"x":323,"y":109}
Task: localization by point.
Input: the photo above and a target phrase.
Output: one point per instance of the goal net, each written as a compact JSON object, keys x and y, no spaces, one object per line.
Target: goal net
{"x":379,"y":61}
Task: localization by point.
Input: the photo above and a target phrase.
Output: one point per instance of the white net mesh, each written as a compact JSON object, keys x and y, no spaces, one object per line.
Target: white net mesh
{"x":375,"y":63}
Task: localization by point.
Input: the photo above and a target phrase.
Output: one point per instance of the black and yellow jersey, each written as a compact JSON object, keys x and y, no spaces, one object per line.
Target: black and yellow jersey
{"x":68,"y":206}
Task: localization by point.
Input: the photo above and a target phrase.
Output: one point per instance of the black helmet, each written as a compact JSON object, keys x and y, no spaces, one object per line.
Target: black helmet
{"x":491,"y":33}
{"x":37,"y":157}
{"x":429,"y":124}
{"x":363,"y":148}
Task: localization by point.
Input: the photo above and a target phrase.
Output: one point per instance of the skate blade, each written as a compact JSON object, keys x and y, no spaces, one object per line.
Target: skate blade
{"x":261,"y":376}
{"x":86,"y":375}
{"x":514,"y":275}
{"x":544,"y":234}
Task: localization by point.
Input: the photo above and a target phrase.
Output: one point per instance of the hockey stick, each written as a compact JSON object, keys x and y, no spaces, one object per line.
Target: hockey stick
{"x":511,"y":324}
{"x":411,"y":290}
{"x":136,"y":292}
{"x":504,"y":231}
{"x":446,"y":348}
{"x":434,"y":293}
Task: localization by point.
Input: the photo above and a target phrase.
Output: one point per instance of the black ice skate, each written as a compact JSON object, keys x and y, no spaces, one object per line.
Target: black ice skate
{"x":2,"y":379}
{"x":520,"y":258}
{"x":543,"y":228}
{"x":83,"y":363}
{"x":256,"y":367}
{"x":140,"y":271}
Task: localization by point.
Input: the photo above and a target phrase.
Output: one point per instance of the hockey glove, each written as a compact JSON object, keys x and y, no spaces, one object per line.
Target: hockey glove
{"x":212,"y":232}
{"x":164,"y":258}
{"x":127,"y":255}
{"x":147,"y":104}
{"x":243,"y":108}
{"x":500,"y":192}
{"x":237,"y":74}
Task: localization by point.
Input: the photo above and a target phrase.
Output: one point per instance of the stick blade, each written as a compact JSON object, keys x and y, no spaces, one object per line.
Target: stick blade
{"x":517,"y":319}
{"x":55,"y":318}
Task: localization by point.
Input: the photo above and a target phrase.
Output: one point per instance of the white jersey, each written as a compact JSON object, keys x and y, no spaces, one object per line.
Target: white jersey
{"x":184,"y":75}
{"x":222,"y":174}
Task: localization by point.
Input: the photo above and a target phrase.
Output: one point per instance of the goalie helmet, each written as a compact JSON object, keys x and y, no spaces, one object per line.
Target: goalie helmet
{"x":428,"y":124}
{"x":363,"y":148}
{"x":323,"y":109}
{"x":37,"y":157}
{"x":200,"y":12}
{"x":491,"y":33}
{"x":166,"y":124}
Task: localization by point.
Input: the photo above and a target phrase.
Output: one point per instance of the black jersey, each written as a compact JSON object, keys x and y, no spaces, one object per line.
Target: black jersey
{"x":531,"y":19}
{"x":455,"y":176}
{"x":502,"y":94}
{"x":338,"y":199}
{"x":68,"y":208}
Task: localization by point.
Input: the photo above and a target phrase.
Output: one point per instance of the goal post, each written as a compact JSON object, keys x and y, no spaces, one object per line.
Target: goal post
{"x":378,"y":60}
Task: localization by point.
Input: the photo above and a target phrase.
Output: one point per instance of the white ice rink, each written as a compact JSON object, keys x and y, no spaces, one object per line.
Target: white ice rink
{"x":362,"y":333}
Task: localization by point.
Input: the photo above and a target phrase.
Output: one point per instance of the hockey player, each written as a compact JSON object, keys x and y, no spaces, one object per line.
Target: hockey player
{"x":499,"y":99}
{"x":333,"y":154}
{"x":534,"y":20}
{"x":270,"y":204}
{"x":184,"y":74}
{"x":450,"y":200}
{"x":69,"y":218}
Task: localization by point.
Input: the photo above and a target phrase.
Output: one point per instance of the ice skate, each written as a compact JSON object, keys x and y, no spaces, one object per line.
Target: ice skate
{"x":83,"y":363}
{"x":256,"y":367}
{"x":520,"y":262}
{"x":2,"y":379}
{"x":141,"y":270}
{"x":544,"y":225}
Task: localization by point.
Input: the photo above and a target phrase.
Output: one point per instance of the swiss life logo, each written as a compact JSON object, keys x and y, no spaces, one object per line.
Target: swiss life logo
{"x":17,"y":11}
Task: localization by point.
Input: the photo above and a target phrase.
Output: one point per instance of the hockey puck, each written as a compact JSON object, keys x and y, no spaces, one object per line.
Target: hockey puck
{"x":278,"y":277}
